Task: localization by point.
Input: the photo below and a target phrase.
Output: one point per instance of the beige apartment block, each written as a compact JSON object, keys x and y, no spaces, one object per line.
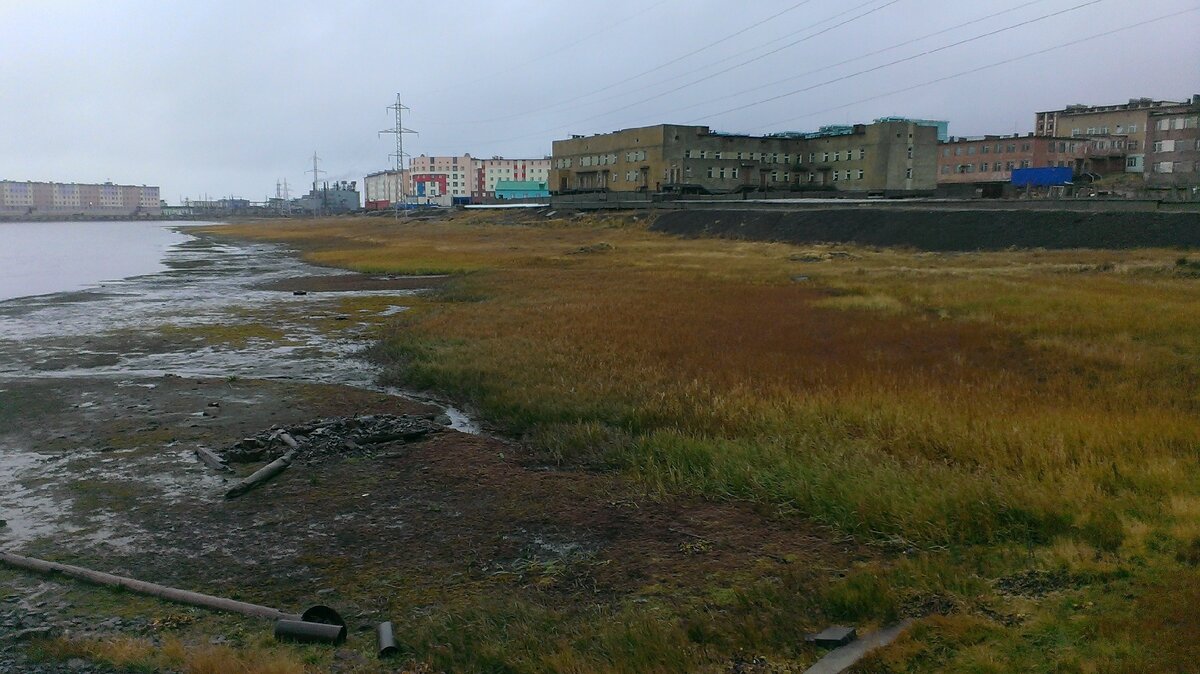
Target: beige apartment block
{"x":39,"y":199}
{"x":884,"y":157}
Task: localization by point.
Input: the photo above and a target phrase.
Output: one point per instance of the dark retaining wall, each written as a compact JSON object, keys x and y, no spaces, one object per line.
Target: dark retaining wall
{"x":942,"y":230}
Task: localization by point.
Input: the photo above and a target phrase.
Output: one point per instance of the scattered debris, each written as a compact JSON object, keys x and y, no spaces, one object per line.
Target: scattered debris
{"x":211,"y":460}
{"x":833,"y":636}
{"x":264,"y":474}
{"x":843,"y":657}
{"x":327,"y":438}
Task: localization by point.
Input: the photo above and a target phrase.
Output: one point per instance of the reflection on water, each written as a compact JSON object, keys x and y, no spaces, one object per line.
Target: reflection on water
{"x":46,"y":257}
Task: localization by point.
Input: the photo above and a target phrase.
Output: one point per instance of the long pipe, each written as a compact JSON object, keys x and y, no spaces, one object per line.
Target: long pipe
{"x":143,"y":587}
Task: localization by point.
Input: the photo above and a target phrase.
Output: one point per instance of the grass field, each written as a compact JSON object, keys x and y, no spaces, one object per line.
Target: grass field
{"x":1018,"y":430}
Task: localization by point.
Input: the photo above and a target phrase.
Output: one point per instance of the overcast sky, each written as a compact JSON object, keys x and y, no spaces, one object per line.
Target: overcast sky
{"x":224,"y":97}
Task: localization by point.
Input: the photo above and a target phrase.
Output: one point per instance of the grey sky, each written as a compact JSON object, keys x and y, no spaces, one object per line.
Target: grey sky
{"x":225,"y":97}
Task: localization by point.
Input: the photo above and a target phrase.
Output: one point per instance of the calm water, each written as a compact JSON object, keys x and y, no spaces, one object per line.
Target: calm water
{"x":37,"y":258}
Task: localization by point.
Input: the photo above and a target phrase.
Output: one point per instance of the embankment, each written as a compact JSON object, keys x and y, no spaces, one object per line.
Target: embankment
{"x":957,"y":230}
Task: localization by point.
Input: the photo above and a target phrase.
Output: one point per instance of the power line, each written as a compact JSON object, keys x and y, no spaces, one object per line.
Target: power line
{"x":986,"y":67}
{"x":542,"y":55}
{"x":902,"y":60}
{"x":865,"y":56}
{"x":673,"y":61}
{"x":735,"y":66}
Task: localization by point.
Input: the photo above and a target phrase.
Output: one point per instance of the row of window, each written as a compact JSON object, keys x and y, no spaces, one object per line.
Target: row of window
{"x":998,"y":148}
{"x":1177,"y":123}
{"x":985,"y":167}
{"x":1176,"y":166}
{"x":1175,"y":145}
{"x":776,"y":157}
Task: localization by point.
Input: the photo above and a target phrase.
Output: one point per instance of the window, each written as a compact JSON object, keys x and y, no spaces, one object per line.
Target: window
{"x":717,"y":155}
{"x":739,"y":155}
{"x":687,"y":154}
{"x":733,"y":172}
{"x":1132,"y":128}
{"x":704,"y":155}
{"x":945,"y":152}
{"x":1163,"y":125}
{"x":1131,"y":162}
{"x":825,"y":156}
{"x":859,"y":175}
{"x":787,"y":177}
{"x":985,"y":149}
{"x":1164,"y":146}
{"x":1024,"y":147}
{"x":721,"y":173}
{"x":835,"y":176}
{"x":774,"y":176}
{"x":910,"y":150}
{"x":1025,"y":163}
{"x":970,"y":150}
{"x":1012,"y":147}
{"x":908,"y":173}
{"x":958,"y":151}
{"x":837,"y":155}
{"x":812,"y":157}
{"x":1008,"y":166}
{"x":1164,"y":167}
{"x":1074,"y":132}
{"x":862,"y":153}
{"x":711,"y":172}
{"x":787,"y":159}
{"x":1132,"y":145}
{"x":983,"y":167}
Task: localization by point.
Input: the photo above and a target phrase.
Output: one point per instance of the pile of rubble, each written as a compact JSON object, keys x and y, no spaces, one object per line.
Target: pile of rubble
{"x":321,"y":439}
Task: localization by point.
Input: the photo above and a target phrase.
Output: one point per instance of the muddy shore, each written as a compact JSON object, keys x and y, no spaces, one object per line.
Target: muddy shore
{"x":105,"y":395}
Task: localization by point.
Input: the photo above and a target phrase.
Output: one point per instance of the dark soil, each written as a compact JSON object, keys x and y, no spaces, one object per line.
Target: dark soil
{"x":354,"y":282}
{"x":942,"y":230}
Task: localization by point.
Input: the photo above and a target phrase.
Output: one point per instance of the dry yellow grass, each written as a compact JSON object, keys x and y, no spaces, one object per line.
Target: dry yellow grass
{"x":1040,"y":399}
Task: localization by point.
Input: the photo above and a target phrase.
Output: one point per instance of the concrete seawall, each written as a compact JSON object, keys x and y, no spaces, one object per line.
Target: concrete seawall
{"x":942,"y":230}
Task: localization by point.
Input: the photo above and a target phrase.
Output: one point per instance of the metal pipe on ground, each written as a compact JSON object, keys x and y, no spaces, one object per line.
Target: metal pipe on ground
{"x":385,"y":639}
{"x":303,"y":632}
{"x":143,"y":587}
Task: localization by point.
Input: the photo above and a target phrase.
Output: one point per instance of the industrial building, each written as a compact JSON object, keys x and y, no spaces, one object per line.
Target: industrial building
{"x":521,"y":189}
{"x":330,"y":199}
{"x":892,"y":156}
{"x":40,"y":199}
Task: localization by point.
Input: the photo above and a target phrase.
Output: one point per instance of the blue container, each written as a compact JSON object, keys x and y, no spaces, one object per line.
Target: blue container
{"x":1045,"y":176}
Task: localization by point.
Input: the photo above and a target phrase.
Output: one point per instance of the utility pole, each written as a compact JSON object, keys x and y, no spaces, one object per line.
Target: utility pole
{"x":316,"y":177}
{"x":401,"y":199}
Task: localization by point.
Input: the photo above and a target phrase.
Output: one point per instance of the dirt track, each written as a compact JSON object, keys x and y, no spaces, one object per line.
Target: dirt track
{"x":942,"y":230}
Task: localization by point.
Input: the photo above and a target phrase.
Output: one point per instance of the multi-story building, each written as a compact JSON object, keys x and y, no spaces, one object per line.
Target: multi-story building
{"x":77,"y":199}
{"x":442,"y":180}
{"x":383,"y":188}
{"x":991,"y":159}
{"x":496,"y":169}
{"x":1124,"y":119}
{"x":1173,"y":146}
{"x":890,"y":156}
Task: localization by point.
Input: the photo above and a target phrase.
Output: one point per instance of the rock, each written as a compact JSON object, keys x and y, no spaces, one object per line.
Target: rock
{"x":31,"y":632}
{"x":3,"y":523}
{"x":443,"y":419}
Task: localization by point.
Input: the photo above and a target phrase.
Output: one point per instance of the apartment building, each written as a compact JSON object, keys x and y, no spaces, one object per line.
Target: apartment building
{"x":77,"y":199}
{"x":1129,"y":119}
{"x":1173,"y":146}
{"x":492,"y":171}
{"x":891,"y":156}
{"x":383,"y":188}
{"x":991,"y":159}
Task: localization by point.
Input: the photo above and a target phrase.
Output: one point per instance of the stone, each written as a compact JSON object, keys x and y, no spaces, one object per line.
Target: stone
{"x":833,"y":636}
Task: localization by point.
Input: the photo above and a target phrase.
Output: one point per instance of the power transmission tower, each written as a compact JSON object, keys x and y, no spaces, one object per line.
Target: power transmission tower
{"x":398,"y":108}
{"x":316,"y":178}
